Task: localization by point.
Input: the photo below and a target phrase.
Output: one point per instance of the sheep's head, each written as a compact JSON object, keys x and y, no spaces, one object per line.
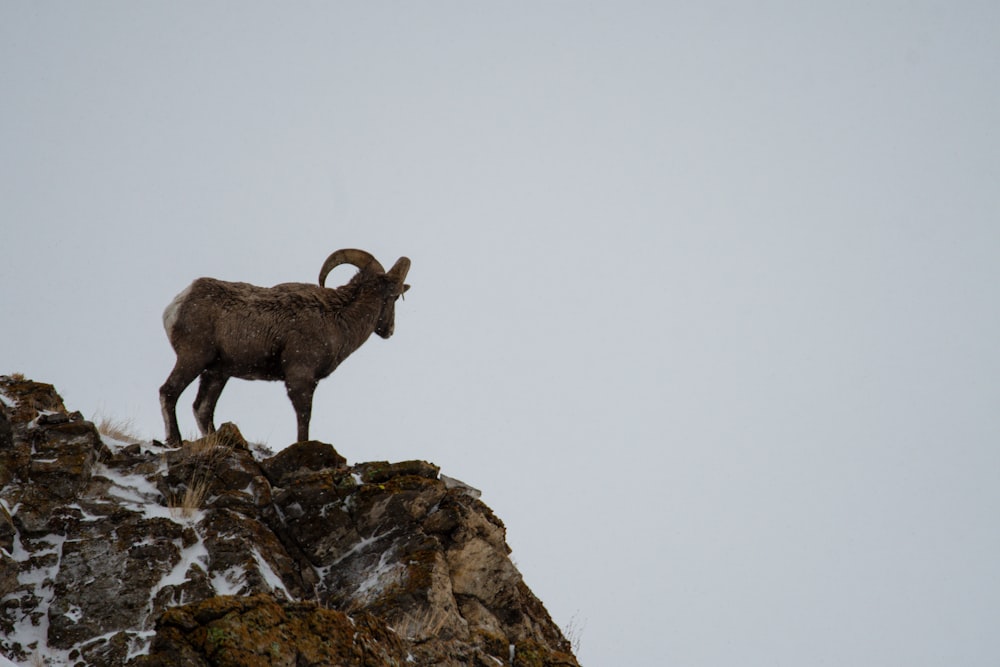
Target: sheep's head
{"x":391,"y":283}
{"x":393,"y":287}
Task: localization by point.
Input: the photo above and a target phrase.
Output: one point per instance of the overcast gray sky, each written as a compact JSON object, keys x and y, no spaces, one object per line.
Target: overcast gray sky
{"x":705,"y":295}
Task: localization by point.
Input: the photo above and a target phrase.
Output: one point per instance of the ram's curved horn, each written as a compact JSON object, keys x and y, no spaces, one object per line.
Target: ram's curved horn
{"x":399,"y":270}
{"x":358,"y":258}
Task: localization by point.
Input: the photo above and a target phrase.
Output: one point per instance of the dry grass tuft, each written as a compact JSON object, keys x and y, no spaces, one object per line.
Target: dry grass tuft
{"x":194,"y":495}
{"x":222,"y":441}
{"x":422,"y":625}
{"x":574,"y":631}
{"x":122,"y":430}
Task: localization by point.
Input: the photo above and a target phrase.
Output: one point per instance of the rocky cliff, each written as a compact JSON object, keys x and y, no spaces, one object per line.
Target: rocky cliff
{"x":123,"y":553}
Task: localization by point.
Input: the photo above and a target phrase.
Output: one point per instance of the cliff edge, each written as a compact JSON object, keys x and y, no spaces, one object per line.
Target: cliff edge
{"x":117,"y":553}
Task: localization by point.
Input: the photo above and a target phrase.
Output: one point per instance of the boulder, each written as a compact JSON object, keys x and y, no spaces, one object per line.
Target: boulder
{"x":309,"y":456}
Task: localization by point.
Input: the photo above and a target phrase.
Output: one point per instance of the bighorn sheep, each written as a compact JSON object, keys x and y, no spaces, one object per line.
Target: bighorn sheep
{"x":295,"y":332}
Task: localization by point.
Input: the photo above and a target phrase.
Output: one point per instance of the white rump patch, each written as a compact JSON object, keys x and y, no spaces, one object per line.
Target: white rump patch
{"x":171,"y":311}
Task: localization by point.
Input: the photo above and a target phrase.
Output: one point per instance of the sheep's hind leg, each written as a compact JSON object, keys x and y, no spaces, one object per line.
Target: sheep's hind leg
{"x":177,"y":382}
{"x":209,"y":389}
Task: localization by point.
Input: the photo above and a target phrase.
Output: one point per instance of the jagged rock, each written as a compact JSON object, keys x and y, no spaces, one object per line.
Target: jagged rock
{"x":50,"y":455}
{"x":258,"y":630}
{"x":30,"y":399}
{"x":124,"y":558}
{"x":7,"y":530}
{"x":300,"y":457}
{"x":14,"y":454}
{"x":9,"y":569}
{"x":6,"y":433}
{"x":382,"y":471}
{"x":230,"y":560}
{"x":245,"y":557}
{"x":110,"y":651}
{"x":452,"y":483}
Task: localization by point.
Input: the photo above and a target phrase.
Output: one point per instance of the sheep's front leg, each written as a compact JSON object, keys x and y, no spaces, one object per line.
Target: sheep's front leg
{"x":300,"y":392}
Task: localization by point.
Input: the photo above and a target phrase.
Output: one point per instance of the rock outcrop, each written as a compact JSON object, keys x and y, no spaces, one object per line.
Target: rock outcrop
{"x":120,"y":553}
